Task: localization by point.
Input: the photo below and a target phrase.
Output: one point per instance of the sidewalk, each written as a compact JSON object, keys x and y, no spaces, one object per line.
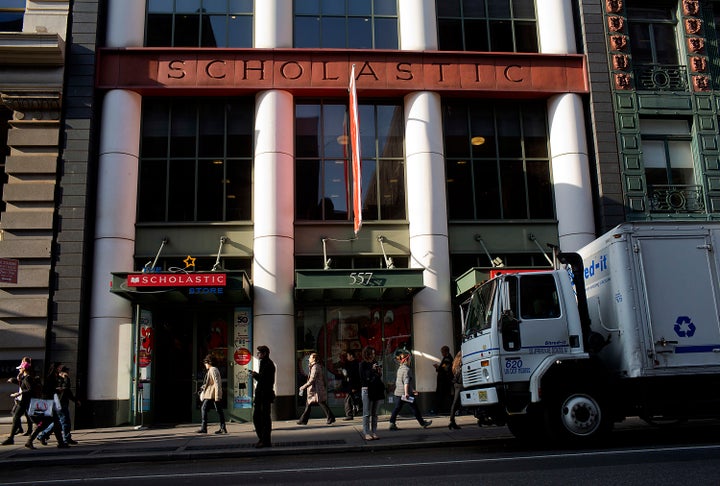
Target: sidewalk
{"x":182,"y":443}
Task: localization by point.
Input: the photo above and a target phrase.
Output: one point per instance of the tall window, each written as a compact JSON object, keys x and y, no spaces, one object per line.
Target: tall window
{"x":354,"y":24}
{"x":497,"y":162}
{"x":652,"y":33}
{"x":667,"y":154}
{"x":11,"y":15}
{"x":487,"y":26}
{"x":653,"y":45}
{"x":196,"y":160}
{"x":199,"y":23}
{"x":323,"y":174}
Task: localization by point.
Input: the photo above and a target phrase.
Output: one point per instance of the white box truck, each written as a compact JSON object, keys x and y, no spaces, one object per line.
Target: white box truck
{"x":630,"y":326}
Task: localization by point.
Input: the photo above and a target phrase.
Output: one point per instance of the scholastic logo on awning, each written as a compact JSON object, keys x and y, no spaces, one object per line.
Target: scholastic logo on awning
{"x":177,"y":280}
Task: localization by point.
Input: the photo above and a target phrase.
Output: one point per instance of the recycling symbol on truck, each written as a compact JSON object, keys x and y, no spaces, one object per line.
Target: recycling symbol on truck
{"x":684,"y":327}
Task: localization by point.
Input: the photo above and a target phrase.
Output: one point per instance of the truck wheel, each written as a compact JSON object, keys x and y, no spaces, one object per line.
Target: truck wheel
{"x":577,"y":416}
{"x":525,"y":428}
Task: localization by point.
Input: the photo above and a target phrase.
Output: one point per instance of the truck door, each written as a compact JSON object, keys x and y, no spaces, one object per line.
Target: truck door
{"x":537,"y":327}
{"x":680,"y":286}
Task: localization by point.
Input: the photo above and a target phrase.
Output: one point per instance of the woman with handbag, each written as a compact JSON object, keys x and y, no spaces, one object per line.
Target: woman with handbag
{"x":316,"y":391}
{"x":211,"y":392}
{"x":372,"y":391}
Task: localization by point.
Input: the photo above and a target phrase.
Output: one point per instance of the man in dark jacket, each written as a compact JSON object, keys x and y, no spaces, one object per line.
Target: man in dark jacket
{"x":263,"y":397}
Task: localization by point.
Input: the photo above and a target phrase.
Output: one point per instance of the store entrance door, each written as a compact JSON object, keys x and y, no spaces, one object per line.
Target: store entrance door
{"x":173,"y":397}
{"x":183,"y":338}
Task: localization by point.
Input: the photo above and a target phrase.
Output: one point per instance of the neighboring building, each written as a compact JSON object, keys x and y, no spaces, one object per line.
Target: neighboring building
{"x":32,"y":69}
{"x":664,"y":63}
{"x":205,"y":186}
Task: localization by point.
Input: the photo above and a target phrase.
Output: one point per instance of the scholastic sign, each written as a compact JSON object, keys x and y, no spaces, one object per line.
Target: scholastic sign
{"x":177,"y":280}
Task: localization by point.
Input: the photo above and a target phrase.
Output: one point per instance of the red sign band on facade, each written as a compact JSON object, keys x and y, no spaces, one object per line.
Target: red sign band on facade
{"x":177,"y":280}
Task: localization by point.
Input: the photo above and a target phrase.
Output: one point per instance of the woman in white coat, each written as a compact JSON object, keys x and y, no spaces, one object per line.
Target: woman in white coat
{"x":211,"y":392}
{"x":316,"y":391}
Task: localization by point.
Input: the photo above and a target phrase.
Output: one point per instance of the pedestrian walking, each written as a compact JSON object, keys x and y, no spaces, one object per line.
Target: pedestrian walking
{"x":351,"y":386}
{"x":457,"y":386}
{"x":316,"y":391}
{"x":405,"y":392}
{"x":372,"y":391}
{"x":44,"y":409}
{"x":21,"y":397}
{"x":444,"y":387}
{"x":263,"y":397}
{"x":16,"y":398}
{"x":211,"y":393}
{"x":63,"y":397}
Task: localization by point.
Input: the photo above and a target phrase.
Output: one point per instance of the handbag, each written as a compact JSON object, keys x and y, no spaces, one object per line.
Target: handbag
{"x":40,"y":407}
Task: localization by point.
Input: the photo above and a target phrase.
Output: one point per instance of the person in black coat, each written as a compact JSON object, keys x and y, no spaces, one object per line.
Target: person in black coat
{"x":263,"y":397}
{"x":372,"y":390}
{"x":22,"y":398}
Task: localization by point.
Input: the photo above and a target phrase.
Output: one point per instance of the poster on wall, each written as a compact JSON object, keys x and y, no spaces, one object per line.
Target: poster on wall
{"x":242,"y":355}
{"x":145,"y":357}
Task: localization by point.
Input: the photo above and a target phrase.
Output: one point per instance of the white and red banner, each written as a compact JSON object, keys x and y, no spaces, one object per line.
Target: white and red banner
{"x":355,"y":149}
{"x":176,"y":280}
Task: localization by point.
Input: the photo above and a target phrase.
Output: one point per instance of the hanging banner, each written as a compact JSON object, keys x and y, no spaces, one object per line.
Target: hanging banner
{"x":355,"y":149}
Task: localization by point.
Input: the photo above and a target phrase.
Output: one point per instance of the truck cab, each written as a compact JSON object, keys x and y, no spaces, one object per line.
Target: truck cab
{"x":521,"y":333}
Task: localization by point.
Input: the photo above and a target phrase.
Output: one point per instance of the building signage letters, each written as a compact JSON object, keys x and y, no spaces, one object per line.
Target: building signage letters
{"x":150,"y":70}
{"x":177,"y":280}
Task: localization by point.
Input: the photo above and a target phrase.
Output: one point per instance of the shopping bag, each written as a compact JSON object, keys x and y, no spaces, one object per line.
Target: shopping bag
{"x":40,"y":406}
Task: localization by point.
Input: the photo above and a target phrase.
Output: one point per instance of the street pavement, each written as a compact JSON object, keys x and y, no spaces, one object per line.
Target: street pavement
{"x":182,"y":443}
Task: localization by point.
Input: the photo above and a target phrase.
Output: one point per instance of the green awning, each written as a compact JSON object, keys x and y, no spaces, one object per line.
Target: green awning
{"x":358,"y":284}
{"x":236,"y":289}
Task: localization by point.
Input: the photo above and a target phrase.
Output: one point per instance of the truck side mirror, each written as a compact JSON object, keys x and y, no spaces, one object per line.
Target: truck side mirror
{"x":509,"y":327}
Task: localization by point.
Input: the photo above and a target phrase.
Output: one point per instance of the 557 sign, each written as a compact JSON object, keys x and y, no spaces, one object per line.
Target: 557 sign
{"x":360,"y":278}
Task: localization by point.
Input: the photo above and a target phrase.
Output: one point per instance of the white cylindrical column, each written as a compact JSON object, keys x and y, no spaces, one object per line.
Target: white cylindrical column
{"x":273,"y":248}
{"x":427,"y":217}
{"x":126,"y":23}
{"x":571,"y":172}
{"x":273,"y":24}
{"x":110,"y":337}
{"x":556,"y":27}
{"x":568,"y":140}
{"x":417,"y":25}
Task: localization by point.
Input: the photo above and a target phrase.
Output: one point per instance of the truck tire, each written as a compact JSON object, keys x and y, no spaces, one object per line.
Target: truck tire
{"x":577,"y":416}
{"x":526,"y":427}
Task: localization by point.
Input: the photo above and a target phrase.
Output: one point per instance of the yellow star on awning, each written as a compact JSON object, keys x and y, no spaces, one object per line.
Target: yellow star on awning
{"x":189,"y":262}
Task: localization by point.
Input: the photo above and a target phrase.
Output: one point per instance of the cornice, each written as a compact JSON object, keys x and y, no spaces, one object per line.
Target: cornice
{"x":36,"y":49}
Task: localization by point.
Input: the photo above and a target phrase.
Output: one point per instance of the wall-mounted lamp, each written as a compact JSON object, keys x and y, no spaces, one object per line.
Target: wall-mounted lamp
{"x":326,"y":260}
{"x":217,"y":265}
{"x":388,"y":260}
{"x":150,"y":265}
{"x":494,"y":262}
{"x":532,"y":238}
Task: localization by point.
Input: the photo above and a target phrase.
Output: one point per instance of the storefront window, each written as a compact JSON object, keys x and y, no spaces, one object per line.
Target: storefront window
{"x":497,"y":162}
{"x":479,"y":25}
{"x":196,"y":160}
{"x":332,"y":331}
{"x":353,"y":24}
{"x":199,"y":23}
{"x":323,"y":172}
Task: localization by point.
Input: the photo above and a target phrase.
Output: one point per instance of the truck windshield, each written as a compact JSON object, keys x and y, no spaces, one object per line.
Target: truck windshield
{"x":479,"y":313}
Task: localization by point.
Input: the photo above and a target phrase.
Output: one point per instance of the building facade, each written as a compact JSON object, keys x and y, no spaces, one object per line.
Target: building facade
{"x":204,"y":185}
